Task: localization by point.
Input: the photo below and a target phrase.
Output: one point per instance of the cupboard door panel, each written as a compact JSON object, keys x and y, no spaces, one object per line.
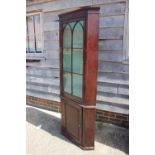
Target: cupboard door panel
{"x":73,"y":121}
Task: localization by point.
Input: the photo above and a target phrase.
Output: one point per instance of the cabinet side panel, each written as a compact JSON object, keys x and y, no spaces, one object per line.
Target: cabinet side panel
{"x":91,"y":58}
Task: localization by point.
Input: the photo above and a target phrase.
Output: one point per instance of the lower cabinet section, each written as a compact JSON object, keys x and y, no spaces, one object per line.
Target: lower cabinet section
{"x":73,"y":122}
{"x":78,"y":123}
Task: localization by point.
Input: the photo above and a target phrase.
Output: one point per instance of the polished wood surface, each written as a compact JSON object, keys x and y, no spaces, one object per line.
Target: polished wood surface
{"x":78,"y":113}
{"x":91,"y":58}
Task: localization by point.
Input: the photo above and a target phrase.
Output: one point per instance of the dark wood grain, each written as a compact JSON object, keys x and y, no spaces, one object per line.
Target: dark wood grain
{"x":91,"y":58}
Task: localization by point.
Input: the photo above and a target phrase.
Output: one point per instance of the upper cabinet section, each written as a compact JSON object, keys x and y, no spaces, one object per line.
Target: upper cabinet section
{"x":78,"y":51}
{"x":72,"y":50}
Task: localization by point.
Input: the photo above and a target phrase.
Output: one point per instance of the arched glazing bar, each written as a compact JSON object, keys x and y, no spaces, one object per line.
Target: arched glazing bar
{"x":73,"y":24}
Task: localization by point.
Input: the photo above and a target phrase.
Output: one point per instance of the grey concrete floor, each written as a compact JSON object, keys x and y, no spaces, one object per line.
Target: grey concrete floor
{"x":44,"y":136}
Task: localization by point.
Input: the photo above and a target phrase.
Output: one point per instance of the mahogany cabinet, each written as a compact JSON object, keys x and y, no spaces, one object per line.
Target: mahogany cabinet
{"x":78,"y":74}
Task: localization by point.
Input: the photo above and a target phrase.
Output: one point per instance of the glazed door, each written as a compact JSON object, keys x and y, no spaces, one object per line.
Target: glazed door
{"x":72,"y":78}
{"x":73,"y":59}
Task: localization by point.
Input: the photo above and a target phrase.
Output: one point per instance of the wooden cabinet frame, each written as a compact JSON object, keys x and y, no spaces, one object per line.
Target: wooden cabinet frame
{"x":78,"y":113}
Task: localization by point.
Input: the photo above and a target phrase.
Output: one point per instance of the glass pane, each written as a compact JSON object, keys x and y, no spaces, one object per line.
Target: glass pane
{"x":78,"y":36}
{"x":38,"y":33}
{"x":38,"y":37}
{"x":31,"y":43}
{"x":27,"y":40}
{"x":77,"y":85}
{"x":26,"y":43}
{"x":78,"y":61}
{"x":31,"y":34}
{"x":67,"y":59}
{"x":30,"y":25}
{"x":39,"y":47}
{"x":67,"y":82}
{"x":67,"y":37}
{"x":38,"y":43}
{"x":37,"y":25}
{"x":26,"y":25}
